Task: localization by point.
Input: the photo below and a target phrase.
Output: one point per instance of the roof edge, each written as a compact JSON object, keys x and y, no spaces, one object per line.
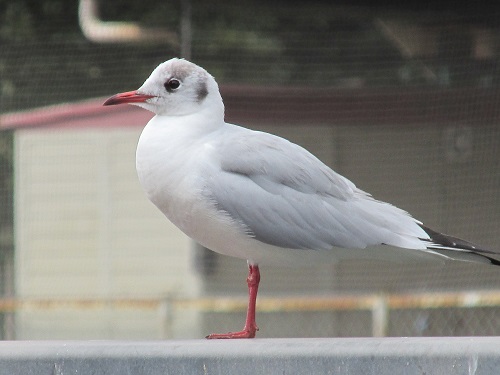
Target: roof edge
{"x":58,"y":114}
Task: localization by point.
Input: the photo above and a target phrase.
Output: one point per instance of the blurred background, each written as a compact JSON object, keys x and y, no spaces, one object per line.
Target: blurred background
{"x":401,"y":99}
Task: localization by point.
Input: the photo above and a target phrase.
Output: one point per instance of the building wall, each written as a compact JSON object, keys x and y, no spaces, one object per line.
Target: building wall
{"x":85,"y":229}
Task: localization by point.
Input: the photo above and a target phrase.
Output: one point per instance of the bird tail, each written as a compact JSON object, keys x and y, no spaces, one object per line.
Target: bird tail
{"x":456,"y":248}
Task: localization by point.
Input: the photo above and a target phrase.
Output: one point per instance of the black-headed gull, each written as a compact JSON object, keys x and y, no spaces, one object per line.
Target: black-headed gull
{"x":254,"y":195}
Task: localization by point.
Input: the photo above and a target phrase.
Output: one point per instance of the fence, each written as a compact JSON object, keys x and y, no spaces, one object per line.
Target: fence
{"x":402,"y":102}
{"x":381,"y":308}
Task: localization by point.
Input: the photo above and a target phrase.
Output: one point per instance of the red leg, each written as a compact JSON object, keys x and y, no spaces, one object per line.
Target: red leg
{"x":248,"y":332}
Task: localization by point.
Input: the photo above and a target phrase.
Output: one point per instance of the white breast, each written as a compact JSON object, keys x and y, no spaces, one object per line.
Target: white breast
{"x":173,"y":158}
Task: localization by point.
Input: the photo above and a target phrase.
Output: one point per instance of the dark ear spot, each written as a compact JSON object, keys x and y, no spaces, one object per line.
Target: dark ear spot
{"x":202,"y":91}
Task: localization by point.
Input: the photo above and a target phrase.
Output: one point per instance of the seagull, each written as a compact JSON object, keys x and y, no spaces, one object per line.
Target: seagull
{"x":256,"y":196}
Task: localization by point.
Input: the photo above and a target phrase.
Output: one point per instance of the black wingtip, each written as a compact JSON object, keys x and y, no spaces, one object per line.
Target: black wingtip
{"x":439,"y":241}
{"x":493,"y":261}
{"x":450,"y":241}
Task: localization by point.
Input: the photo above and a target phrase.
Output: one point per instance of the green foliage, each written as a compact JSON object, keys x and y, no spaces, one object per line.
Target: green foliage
{"x":45,"y":58}
{"x":28,"y":20}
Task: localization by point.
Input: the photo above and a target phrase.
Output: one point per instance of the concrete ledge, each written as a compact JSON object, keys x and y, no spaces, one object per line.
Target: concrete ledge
{"x":461,"y":355}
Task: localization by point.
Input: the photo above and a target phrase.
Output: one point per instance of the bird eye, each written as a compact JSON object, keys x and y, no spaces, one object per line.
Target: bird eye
{"x":172,"y":84}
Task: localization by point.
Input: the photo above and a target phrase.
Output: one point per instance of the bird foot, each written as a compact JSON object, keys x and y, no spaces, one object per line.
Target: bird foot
{"x":246,"y":333}
{"x":250,"y":328}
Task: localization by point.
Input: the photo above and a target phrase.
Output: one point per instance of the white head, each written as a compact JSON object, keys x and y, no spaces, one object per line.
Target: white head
{"x":176,"y":87}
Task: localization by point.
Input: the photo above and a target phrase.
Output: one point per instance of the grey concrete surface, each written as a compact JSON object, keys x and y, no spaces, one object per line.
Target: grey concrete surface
{"x":440,"y":355}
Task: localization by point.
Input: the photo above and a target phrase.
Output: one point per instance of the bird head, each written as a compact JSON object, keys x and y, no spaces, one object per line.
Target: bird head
{"x":176,"y":87}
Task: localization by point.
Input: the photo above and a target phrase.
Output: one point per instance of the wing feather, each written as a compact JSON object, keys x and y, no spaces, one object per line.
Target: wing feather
{"x":284,"y":196}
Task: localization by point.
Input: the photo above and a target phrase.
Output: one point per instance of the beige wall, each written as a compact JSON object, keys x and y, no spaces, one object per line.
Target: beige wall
{"x":84,"y":229}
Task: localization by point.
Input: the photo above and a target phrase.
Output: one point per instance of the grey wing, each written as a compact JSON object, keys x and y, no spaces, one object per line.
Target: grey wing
{"x":283,"y":196}
{"x":273,"y":161}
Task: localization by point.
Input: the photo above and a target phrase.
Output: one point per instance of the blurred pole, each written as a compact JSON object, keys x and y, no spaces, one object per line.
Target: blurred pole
{"x":380,"y":317}
{"x":100,"y":31}
{"x":186,"y":32}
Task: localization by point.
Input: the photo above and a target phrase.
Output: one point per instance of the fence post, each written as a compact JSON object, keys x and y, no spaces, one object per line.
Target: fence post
{"x":380,"y":316}
{"x":165,"y":316}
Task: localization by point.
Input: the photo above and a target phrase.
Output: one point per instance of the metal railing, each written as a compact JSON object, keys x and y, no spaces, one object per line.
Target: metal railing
{"x":379,"y":305}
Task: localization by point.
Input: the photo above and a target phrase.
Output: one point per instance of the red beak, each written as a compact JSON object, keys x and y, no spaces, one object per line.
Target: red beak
{"x":128,"y":97}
